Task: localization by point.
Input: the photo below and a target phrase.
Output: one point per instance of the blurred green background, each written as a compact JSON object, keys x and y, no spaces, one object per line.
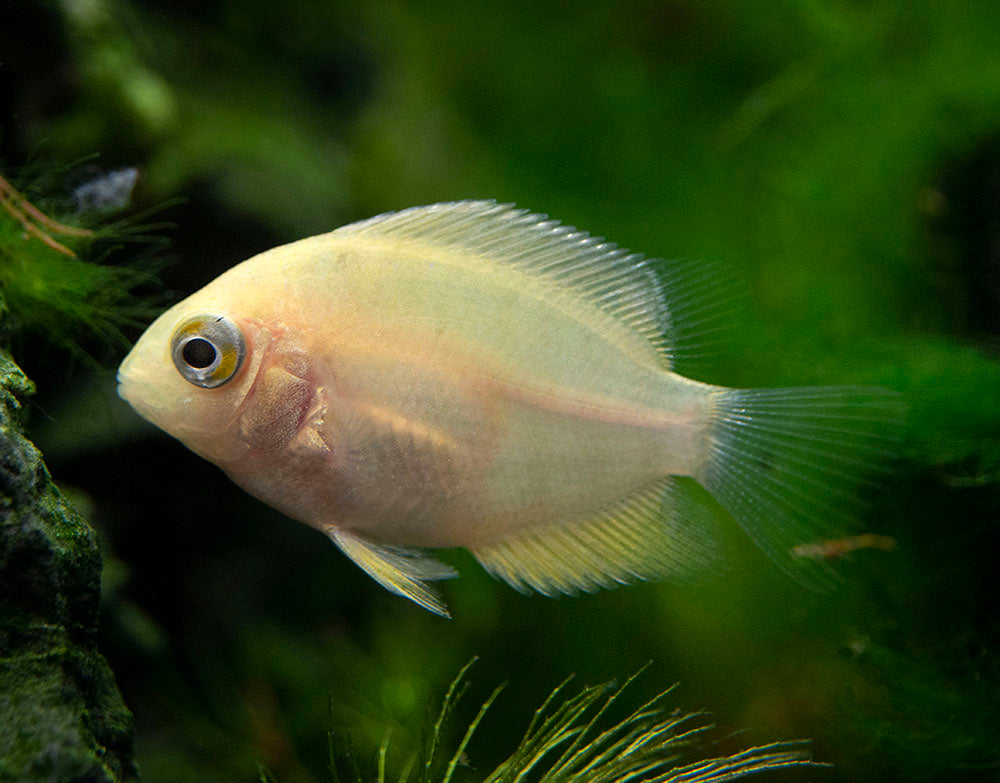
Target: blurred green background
{"x":842,"y":157}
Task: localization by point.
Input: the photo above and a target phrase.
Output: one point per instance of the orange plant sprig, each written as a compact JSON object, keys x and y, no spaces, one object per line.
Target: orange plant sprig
{"x":24,"y":212}
{"x":72,"y":292}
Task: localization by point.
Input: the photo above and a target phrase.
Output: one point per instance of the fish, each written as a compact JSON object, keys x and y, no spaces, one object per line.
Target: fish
{"x":471,"y":374}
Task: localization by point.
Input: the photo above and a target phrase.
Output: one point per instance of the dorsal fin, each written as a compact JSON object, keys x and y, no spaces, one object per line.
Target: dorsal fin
{"x":622,"y":284}
{"x":398,"y":569}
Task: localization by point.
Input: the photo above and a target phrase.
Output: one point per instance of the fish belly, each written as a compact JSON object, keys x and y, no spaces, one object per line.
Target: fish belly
{"x":441,"y":454}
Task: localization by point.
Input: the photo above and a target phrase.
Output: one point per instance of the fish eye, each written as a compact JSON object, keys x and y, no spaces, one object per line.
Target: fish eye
{"x":208,"y":349}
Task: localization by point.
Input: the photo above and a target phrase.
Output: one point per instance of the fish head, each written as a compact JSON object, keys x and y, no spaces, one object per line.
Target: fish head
{"x":193,"y":369}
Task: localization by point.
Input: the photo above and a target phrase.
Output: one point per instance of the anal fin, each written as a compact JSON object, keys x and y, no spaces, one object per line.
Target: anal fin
{"x":400,"y":570}
{"x":661,"y":532}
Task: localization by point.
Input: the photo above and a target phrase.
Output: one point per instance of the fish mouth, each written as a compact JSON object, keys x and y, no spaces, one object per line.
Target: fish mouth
{"x":122,"y":376}
{"x":121,"y":384}
{"x":129,"y":388}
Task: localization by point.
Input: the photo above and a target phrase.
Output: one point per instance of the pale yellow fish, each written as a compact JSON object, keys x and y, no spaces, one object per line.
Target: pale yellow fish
{"x":474,"y":375}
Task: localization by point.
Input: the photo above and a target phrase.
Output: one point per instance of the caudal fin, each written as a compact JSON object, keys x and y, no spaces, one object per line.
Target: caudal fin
{"x":787,"y":464}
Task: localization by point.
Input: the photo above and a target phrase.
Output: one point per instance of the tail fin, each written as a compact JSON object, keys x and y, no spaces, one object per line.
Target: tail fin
{"x":786,"y":463}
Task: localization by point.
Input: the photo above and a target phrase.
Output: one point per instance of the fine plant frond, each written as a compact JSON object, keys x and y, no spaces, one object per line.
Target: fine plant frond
{"x":343,"y":765}
{"x":56,"y":279}
{"x":264,"y":774}
{"x":434,"y":739}
{"x":571,"y":739}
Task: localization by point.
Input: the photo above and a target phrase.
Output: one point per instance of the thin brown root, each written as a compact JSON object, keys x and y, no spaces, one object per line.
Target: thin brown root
{"x":35,"y":231}
{"x":24,"y":212}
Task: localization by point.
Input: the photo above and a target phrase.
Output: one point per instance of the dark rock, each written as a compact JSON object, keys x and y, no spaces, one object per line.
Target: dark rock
{"x":62,"y":719}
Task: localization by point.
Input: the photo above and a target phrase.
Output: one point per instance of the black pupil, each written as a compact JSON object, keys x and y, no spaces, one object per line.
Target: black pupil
{"x":199,"y":353}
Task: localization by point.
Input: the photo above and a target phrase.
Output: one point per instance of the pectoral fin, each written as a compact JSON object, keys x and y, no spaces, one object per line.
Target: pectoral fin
{"x":662,"y":532}
{"x":400,"y":570}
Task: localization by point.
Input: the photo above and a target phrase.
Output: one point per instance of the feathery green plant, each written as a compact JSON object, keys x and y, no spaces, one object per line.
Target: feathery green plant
{"x":46,"y":287}
{"x":568,"y":741}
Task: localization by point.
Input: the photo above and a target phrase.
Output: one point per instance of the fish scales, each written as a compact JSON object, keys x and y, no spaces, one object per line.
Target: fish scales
{"x":413,"y":353}
{"x":473,"y":375}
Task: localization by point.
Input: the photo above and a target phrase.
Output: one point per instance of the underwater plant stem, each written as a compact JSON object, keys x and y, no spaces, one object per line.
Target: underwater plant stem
{"x":567,"y":758}
{"x":460,"y":750}
{"x":383,"y":751}
{"x":23,"y":211}
{"x":450,"y":698}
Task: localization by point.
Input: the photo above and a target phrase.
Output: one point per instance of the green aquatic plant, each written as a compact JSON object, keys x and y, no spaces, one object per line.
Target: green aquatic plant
{"x":56,"y":281}
{"x":571,"y":739}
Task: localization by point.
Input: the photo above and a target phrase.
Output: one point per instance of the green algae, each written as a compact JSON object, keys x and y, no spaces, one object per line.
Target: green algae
{"x":61,"y":715}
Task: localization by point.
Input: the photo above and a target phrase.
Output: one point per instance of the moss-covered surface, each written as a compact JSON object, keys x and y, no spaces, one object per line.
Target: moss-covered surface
{"x":61,"y":715}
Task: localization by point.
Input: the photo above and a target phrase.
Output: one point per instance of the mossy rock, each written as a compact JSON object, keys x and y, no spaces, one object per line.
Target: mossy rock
{"x":62,"y":718}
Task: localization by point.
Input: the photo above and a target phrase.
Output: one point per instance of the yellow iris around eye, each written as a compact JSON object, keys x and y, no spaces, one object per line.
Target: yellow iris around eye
{"x":208,"y":349}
